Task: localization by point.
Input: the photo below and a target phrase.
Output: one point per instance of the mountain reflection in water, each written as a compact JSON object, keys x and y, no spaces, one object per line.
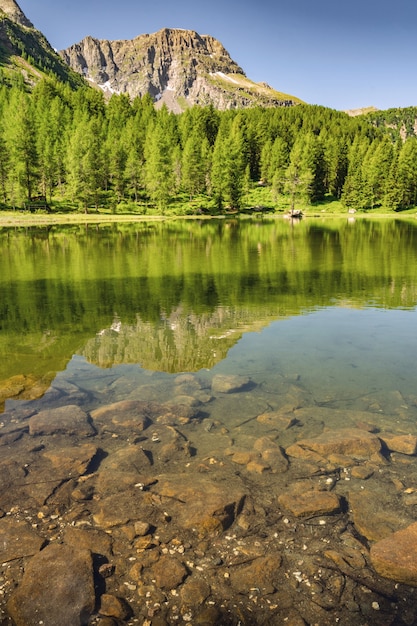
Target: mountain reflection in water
{"x":223,"y":414}
{"x":177,"y":296}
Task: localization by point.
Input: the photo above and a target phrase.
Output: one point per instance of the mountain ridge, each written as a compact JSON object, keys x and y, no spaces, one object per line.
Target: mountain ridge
{"x":177,"y":67}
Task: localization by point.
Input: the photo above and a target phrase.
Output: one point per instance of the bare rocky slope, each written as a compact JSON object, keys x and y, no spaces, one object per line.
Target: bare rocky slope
{"x":177,"y":67}
{"x":12,"y":10}
{"x":24,"y":50}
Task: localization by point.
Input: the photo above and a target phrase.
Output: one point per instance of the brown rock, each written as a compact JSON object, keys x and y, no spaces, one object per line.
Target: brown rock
{"x":375,"y":514}
{"x":168,"y":572}
{"x":352,"y":442}
{"x":310,"y":503}
{"x":121,"y":508}
{"x":67,"y":420}
{"x":197,"y":503}
{"x":232,"y":383}
{"x":258,"y":466}
{"x":137,"y":415}
{"x":194,"y":592}
{"x":243,"y":457}
{"x":111,"y":606}
{"x":405,"y":444}
{"x":133,"y":414}
{"x":97,"y":541}
{"x":122,"y":469}
{"x":57,"y":588}
{"x":362,"y":472}
{"x":395,"y":557}
{"x":73,"y":460}
{"x":261,"y":574}
{"x":277,"y":419}
{"x":17,"y":539}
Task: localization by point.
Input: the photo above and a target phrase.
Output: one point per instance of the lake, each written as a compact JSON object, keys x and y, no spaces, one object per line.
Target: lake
{"x":251,"y":360}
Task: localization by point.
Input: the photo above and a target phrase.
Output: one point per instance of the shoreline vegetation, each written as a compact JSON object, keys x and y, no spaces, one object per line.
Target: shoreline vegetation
{"x":18,"y":218}
{"x":64,"y":151}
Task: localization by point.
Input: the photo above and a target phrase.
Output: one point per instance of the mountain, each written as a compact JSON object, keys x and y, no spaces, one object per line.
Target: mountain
{"x":177,"y":67}
{"x":24,"y":51}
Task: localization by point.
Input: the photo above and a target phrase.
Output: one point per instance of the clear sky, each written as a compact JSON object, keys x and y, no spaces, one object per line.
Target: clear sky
{"x":343,"y":55}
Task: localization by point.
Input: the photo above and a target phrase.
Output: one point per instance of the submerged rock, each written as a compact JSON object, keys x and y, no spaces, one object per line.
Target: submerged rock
{"x":310,"y":503}
{"x":57,"y":588}
{"x":395,"y":557}
{"x":352,"y":442}
{"x":232,"y":383}
{"x":66,"y":420}
{"x":199,"y":504}
{"x":17,"y":539}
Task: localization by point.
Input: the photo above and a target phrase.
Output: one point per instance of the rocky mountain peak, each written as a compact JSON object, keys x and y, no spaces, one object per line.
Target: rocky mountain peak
{"x":176,"y":67}
{"x":14,"y":12}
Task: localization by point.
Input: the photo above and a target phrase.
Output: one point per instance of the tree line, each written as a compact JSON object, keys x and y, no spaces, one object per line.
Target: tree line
{"x":76,"y":149}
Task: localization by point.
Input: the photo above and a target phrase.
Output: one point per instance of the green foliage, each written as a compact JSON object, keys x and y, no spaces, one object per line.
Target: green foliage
{"x":73,"y":147}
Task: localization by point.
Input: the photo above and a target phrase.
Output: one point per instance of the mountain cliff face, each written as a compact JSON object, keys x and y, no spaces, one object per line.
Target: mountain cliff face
{"x":25,"y":51}
{"x":177,"y":67}
{"x":12,"y":10}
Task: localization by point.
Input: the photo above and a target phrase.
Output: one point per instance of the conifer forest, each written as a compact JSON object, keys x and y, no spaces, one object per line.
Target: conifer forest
{"x":79,"y":151}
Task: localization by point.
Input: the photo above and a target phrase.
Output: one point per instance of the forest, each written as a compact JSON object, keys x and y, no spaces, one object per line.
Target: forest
{"x":70,"y":149}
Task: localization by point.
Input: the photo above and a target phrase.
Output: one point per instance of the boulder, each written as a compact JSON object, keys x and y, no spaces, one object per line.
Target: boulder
{"x":197,"y":503}
{"x":395,"y":556}
{"x":310,"y":503}
{"x":405,"y":444}
{"x":17,"y":539}
{"x":66,"y":420}
{"x":352,"y":442}
{"x":231,"y":383}
{"x":375,"y":514}
{"x":57,"y":588}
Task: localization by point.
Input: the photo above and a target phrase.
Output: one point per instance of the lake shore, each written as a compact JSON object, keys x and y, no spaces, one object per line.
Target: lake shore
{"x":19,"y":218}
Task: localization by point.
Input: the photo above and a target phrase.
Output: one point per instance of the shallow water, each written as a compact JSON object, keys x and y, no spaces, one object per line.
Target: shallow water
{"x":315,"y":321}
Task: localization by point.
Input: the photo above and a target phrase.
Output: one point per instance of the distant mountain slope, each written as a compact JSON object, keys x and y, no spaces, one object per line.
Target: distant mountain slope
{"x":25,"y":51}
{"x":400,"y":123}
{"x":177,"y":67}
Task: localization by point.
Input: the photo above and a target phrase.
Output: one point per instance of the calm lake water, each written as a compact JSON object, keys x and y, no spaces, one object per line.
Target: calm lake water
{"x":206,"y":361}
{"x":330,"y":303}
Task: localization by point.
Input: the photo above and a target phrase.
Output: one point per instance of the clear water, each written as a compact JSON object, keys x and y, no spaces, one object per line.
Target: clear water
{"x":330,"y":305}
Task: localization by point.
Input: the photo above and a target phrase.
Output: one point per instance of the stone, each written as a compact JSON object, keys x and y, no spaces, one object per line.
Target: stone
{"x":395,"y":556}
{"x":310,"y":503}
{"x":17,"y":539}
{"x":141,"y":528}
{"x":272,"y":454}
{"x":261,"y":573}
{"x":57,"y":588}
{"x":137,"y":415}
{"x":120,"y":508}
{"x":67,"y":420}
{"x":232,"y":383}
{"x":277,"y":419}
{"x":96,"y":541}
{"x":168,"y":572}
{"x":132,"y":414}
{"x":352,"y":442}
{"x":73,"y":460}
{"x":194,"y":592}
{"x":375,"y":515}
{"x":199,"y":504}
{"x":363,"y":472}
{"x":123,"y":469}
{"x":405,"y":444}
{"x":112,"y":606}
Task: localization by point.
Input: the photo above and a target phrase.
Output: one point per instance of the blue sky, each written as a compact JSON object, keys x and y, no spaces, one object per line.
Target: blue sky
{"x":343,"y":55}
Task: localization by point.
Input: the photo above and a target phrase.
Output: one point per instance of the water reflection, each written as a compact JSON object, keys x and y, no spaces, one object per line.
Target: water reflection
{"x":176,"y":297}
{"x":247,"y":488}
